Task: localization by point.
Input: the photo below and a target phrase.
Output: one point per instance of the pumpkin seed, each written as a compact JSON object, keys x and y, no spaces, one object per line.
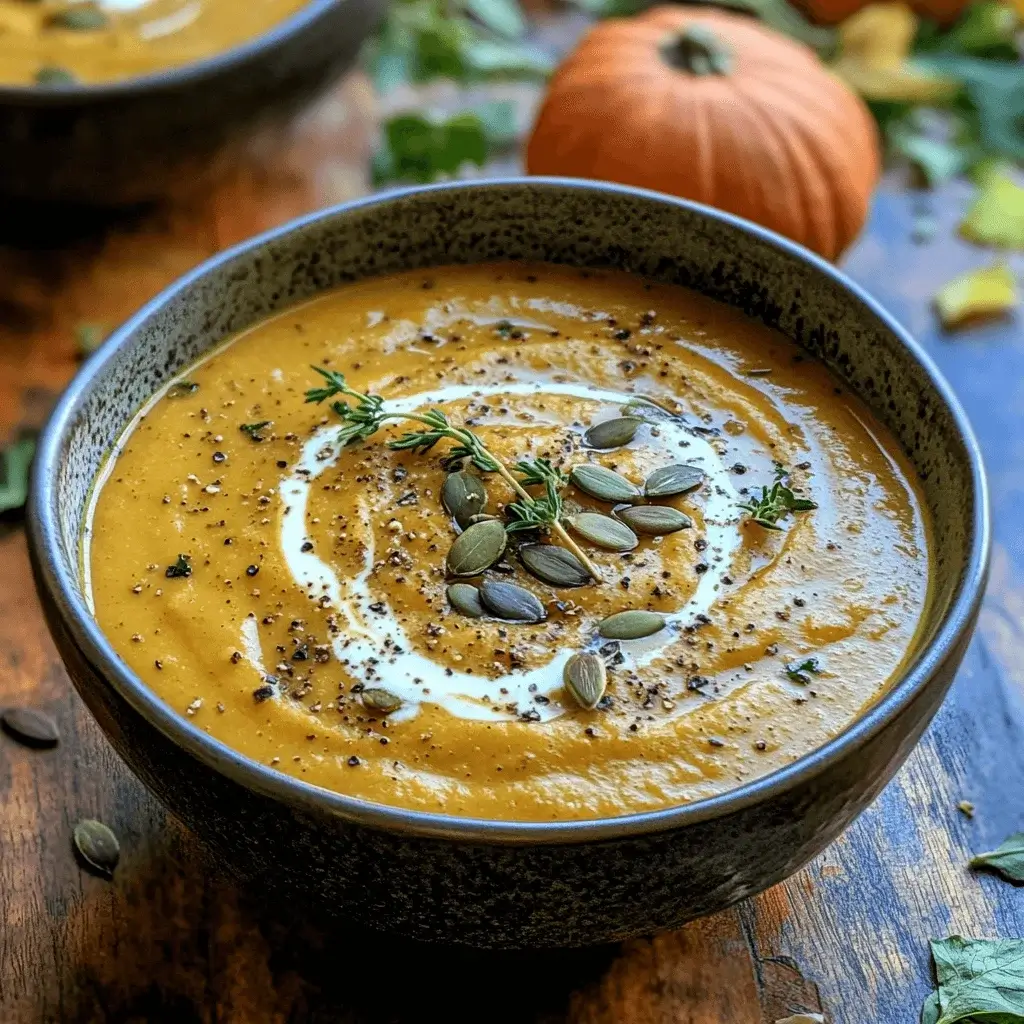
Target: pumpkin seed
{"x":79,"y":18}
{"x":613,"y":433}
{"x":465,"y":598}
{"x":554,"y":565}
{"x":585,"y":678}
{"x":32,"y":727}
{"x":671,"y":480}
{"x":603,"y":484}
{"x":631,"y":625}
{"x":654,"y":519}
{"x":97,"y":846}
{"x":482,"y":517}
{"x":463,"y":495}
{"x":604,"y":531}
{"x":384,"y":701}
{"x":477,"y":548}
{"x":510,"y":602}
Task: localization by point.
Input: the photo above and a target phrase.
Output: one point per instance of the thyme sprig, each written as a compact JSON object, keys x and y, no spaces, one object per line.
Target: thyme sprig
{"x":367,"y":413}
{"x":776,"y":503}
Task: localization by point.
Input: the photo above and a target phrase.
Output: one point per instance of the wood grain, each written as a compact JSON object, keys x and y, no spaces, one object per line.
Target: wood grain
{"x":172,"y":940}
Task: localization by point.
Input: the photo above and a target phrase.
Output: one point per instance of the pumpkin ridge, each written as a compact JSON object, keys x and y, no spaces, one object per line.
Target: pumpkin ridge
{"x":764,"y":129}
{"x":841,"y":174}
{"x":816,"y":234}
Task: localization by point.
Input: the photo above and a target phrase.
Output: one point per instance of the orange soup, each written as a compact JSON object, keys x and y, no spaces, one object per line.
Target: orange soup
{"x":512,"y":541}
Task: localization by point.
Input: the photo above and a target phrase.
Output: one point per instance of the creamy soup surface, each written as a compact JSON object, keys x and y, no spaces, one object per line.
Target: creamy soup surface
{"x":263,"y":580}
{"x":52,"y":43}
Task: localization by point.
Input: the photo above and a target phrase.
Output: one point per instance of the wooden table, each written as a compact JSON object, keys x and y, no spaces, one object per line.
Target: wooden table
{"x":170,"y":939}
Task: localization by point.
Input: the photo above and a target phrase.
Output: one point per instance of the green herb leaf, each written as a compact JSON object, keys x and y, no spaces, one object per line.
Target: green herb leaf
{"x":995,"y":90}
{"x":931,"y":1010}
{"x":785,"y":18}
{"x":776,"y":503}
{"x":254,"y":429}
{"x":801,"y":671}
{"x":979,"y":979}
{"x":181,"y":568}
{"x":986,"y":29}
{"x":89,"y":337}
{"x":417,"y":148}
{"x":938,"y":160}
{"x":504,"y":17}
{"x":53,"y":76}
{"x":17,"y":458}
{"x":1007,"y":859}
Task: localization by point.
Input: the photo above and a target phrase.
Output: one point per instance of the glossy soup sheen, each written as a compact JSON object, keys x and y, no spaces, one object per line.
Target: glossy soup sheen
{"x":44,"y":42}
{"x":317,"y":569}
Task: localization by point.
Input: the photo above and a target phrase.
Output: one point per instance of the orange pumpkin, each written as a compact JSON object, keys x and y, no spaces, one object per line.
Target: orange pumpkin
{"x":714,"y":107}
{"x":831,"y":12}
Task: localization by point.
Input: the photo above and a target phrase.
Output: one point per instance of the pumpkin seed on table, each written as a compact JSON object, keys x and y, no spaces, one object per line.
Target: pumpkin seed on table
{"x":631,"y":625}
{"x":465,"y":598}
{"x":653,"y":519}
{"x":463,"y":495}
{"x":604,"y":531}
{"x":477,"y":548}
{"x":511,"y":602}
{"x":586,"y":678}
{"x":603,"y":484}
{"x":554,"y":565}
{"x":97,"y":846}
{"x":671,"y":480}
{"x":31,"y":727}
{"x":378,"y":699}
{"x":612,"y":433}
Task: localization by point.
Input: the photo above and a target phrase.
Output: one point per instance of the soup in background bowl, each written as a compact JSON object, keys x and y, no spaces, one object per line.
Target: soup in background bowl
{"x":143,"y":100}
{"x":302,"y":626}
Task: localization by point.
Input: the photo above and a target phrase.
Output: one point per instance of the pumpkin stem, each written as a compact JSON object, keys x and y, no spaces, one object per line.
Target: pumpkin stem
{"x":698,"y":51}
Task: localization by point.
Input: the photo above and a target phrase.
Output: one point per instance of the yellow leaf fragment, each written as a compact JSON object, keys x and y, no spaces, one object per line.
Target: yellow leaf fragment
{"x":996,"y":217}
{"x":873,"y":48}
{"x":977,"y":295}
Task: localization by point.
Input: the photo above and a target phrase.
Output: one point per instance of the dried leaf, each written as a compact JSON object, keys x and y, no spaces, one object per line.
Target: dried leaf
{"x":874,"y":48}
{"x":996,"y":217}
{"x":977,"y":295}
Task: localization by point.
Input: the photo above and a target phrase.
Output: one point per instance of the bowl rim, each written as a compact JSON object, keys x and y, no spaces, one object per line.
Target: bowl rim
{"x":43,"y":528}
{"x":174,"y":77}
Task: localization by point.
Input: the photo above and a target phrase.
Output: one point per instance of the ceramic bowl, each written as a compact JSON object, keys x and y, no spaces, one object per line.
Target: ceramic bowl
{"x":494,"y":883}
{"x":132,"y":140}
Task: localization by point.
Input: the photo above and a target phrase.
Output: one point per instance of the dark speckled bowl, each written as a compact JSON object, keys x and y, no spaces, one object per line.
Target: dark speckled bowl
{"x":493,"y":883}
{"x":132,"y":140}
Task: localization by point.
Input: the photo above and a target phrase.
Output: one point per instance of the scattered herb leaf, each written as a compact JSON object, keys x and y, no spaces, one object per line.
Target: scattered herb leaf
{"x":51,"y":76}
{"x":89,"y":337}
{"x":182,"y":388}
{"x":1007,"y":859}
{"x":978,"y":979}
{"x":180,"y":569}
{"x":966,"y":808}
{"x":801,"y":671}
{"x":977,"y":295}
{"x":775,"y":504}
{"x":17,"y":459}
{"x":254,"y":429}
